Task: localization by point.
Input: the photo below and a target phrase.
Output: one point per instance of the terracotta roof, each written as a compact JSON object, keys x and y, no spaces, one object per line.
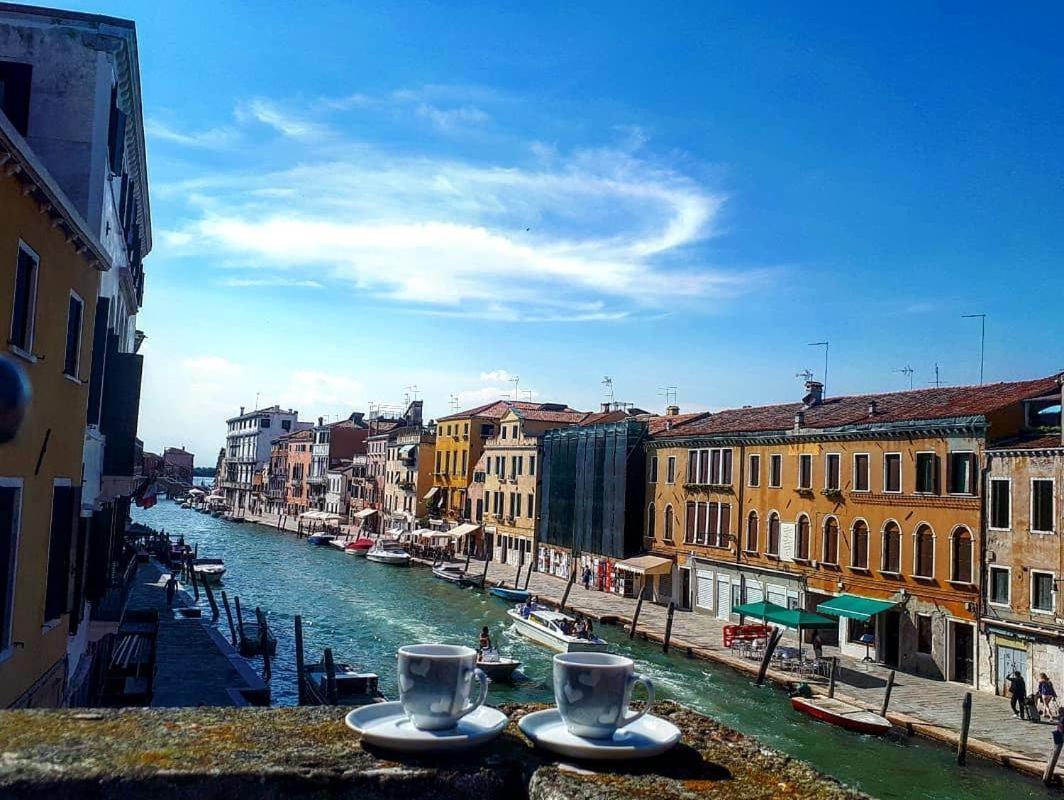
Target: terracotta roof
{"x":1034,"y":440}
{"x":660,"y":424}
{"x":496,"y":410}
{"x":542,"y":415}
{"x":833,"y":412}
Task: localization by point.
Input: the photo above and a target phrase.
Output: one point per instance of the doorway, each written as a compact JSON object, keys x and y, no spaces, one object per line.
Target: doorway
{"x":891,"y":637}
{"x":1010,"y":659}
{"x":963,"y":652}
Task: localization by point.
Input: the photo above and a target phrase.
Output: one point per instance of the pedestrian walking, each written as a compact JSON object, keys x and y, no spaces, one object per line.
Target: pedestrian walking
{"x":1047,"y":697}
{"x":171,"y":590}
{"x":1016,"y":689}
{"x":587,"y":578}
{"x":818,"y":646}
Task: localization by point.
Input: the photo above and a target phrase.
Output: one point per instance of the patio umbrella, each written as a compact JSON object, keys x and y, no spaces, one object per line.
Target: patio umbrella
{"x":762,"y":609}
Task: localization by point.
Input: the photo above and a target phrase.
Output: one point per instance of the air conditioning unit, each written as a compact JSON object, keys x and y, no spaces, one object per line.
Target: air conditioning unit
{"x":991,"y":556}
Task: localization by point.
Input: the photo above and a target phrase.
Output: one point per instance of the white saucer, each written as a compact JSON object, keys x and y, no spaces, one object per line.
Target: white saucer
{"x":646,"y":737}
{"x":386,"y":725}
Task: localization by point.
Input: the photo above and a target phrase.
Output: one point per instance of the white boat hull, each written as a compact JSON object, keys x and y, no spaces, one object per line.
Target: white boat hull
{"x":563,"y":644}
{"x":388,"y":558}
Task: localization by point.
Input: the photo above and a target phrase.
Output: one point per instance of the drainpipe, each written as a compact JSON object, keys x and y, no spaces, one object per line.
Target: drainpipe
{"x":739,"y":528}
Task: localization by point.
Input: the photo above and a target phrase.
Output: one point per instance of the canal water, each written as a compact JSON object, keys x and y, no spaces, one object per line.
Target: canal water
{"x":365,"y":611}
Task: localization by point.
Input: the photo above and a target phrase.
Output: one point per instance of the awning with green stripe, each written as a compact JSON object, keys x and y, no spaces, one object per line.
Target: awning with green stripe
{"x":855,"y":607}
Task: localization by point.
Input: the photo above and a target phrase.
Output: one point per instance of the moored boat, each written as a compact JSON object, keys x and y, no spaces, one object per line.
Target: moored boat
{"x":353,"y":688}
{"x":452,"y":573}
{"x":388,"y":551}
{"x":495,"y":666}
{"x":544,"y":626}
{"x":845,"y":715}
{"x":320,"y":538}
{"x":359,"y":547}
{"x":209,"y":569}
{"x":513,"y":595}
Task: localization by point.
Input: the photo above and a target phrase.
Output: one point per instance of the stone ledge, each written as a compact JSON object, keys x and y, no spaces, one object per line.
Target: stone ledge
{"x":273,"y":753}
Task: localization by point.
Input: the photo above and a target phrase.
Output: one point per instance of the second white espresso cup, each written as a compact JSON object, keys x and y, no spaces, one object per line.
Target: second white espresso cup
{"x":435,"y":684}
{"x":593,"y":691}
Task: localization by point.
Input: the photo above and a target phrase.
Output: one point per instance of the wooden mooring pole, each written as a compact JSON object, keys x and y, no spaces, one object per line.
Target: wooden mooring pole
{"x":668,"y":626}
{"x":528,"y":575}
{"x":210,"y":599}
{"x":966,"y":720}
{"x":299,"y":660}
{"x":229,"y":616}
{"x":638,"y":608}
{"x":239,"y":622}
{"x":770,"y":648}
{"x":886,"y":694}
{"x":264,"y":644}
{"x":487,"y":563}
{"x":831,"y":677}
{"x":1048,"y":777}
{"x":569,"y":587}
{"x":520,"y":566}
{"x":330,"y":677}
{"x":195,"y":583}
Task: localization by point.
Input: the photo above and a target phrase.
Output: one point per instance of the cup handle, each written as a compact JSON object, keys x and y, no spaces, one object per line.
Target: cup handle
{"x":649,"y":686}
{"x":482,"y":694}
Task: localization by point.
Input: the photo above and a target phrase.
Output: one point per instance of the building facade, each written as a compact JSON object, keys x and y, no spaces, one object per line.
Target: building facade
{"x":408,"y":478}
{"x":868,"y":501}
{"x":178,"y":464}
{"x":248,"y":444}
{"x":334,"y":443}
{"x":1022,"y":619}
{"x":338,"y":490}
{"x":300,"y":456}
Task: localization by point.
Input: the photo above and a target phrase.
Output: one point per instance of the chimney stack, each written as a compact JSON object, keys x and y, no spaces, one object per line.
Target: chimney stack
{"x":799,"y":420}
{"x":241,"y":411}
{"x":672,"y":411}
{"x":873,"y":408}
{"x":605,"y":407}
{"x":814,"y":394}
{"x":320,"y":421}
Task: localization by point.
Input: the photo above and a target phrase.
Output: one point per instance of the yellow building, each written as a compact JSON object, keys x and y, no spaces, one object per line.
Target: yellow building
{"x":50,"y":268}
{"x":511,"y":478}
{"x":408,"y":478}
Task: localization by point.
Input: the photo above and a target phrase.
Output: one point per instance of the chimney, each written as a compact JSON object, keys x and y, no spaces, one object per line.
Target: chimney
{"x":799,"y":420}
{"x":605,"y":407}
{"x":320,"y":421}
{"x":814,"y":394}
{"x":873,"y":408}
{"x":672,"y":411}
{"x":241,"y":411}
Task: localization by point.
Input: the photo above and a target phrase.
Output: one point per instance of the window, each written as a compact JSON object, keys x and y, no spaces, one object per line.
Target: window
{"x":10,"y":511}
{"x":64,"y":520}
{"x":531,"y":465}
{"x":650,"y":521}
{"x":654,"y":469}
{"x":516,"y":498}
{"x":725,"y":477}
{"x":962,"y":473}
{"x":15,"y":93}
{"x":860,"y":472}
{"x":1042,"y":592}
{"x":925,"y":553}
{"x":859,"y":549}
{"x":670,"y":470}
{"x":775,"y":471}
{"x":515,"y":467}
{"x":923,"y":634}
{"x":265,"y":422}
{"x":926,"y":473}
{"x":801,"y":544}
{"x":831,"y":541}
{"x":712,"y":466}
{"x":892,"y":548}
{"x":668,"y":523}
{"x":528,"y":508}
{"x":805,"y":471}
{"x":961,"y":556}
{"x":999,"y":586}
{"x":773,"y":545}
{"x":1042,"y":505}
{"x":755,"y":469}
{"x":691,"y":526}
{"x":707,"y":524}
{"x":24,"y":310}
{"x":892,"y":472}
{"x":832,"y":468}
{"x":751,"y":532}
{"x":75,"y":314}
{"x":1000,"y":503}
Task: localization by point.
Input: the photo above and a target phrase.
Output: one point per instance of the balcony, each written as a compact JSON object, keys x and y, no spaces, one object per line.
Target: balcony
{"x":316,"y":480}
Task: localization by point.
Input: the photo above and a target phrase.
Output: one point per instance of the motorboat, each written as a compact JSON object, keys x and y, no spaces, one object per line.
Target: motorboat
{"x":217,"y":514}
{"x":452,"y":573}
{"x":845,"y":715}
{"x":388,"y":551}
{"x":320,"y":538}
{"x":495,"y":666}
{"x":209,"y":570}
{"x":359,"y":547}
{"x":186,"y":504}
{"x":513,"y":595}
{"x":474,"y":581}
{"x":353,"y":688}
{"x":544,"y":626}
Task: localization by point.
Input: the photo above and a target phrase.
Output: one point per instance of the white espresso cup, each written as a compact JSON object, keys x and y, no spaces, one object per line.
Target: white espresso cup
{"x":593,"y":691}
{"x":435,"y":682}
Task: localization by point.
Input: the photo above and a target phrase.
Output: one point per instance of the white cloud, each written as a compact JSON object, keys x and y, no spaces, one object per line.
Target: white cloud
{"x":448,"y":119}
{"x":496,"y":376}
{"x":276,"y":281}
{"x":286,"y":123}
{"x":210,"y":138}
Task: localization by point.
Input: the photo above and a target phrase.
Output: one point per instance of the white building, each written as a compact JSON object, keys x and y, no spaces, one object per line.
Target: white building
{"x":247,"y":450}
{"x":70,"y":84}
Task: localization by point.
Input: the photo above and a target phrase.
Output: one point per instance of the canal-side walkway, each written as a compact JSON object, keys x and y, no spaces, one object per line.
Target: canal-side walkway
{"x":195,"y":666}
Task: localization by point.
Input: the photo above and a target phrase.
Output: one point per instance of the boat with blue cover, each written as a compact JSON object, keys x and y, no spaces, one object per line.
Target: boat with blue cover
{"x":513,"y":595}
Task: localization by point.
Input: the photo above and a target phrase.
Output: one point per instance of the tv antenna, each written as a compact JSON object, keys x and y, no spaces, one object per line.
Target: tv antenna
{"x":453,"y":403}
{"x":516,"y":381}
{"x":806,"y":375}
{"x":982,"y":340}
{"x":669,"y":393}
{"x":826,"y":345}
{"x":527,"y":393}
{"x":908,"y":372}
{"x":938,"y":381}
{"x":411,"y":392}
{"x":607,"y":388}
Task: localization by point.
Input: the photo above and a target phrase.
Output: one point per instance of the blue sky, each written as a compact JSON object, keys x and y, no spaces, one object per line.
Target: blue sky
{"x":352,"y":198}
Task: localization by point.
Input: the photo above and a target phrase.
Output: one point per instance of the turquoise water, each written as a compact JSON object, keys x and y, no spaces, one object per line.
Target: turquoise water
{"x":365,"y":611}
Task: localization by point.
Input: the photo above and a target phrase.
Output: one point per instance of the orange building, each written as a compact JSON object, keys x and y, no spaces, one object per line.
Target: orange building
{"x":869,"y":505}
{"x":300,"y":457}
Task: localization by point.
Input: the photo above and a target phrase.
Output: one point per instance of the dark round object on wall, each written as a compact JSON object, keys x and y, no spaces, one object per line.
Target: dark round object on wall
{"x":14,"y":398}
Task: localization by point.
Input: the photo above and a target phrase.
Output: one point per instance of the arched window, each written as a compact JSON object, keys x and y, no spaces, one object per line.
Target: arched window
{"x":859,"y":551}
{"x":801,"y":544}
{"x":650,"y":521}
{"x":925,"y":552}
{"x":831,"y":541}
{"x":751,"y":532}
{"x":773,"y":545}
{"x":668,"y":523}
{"x":892,"y":547}
{"x":961,"y":555}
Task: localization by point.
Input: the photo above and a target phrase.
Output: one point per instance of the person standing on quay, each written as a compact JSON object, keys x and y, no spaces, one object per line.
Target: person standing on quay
{"x":1047,"y":695}
{"x":587,"y":578}
{"x":1016,"y":688}
{"x":171,"y":590}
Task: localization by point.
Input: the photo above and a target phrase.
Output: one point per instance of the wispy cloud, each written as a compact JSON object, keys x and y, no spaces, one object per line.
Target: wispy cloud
{"x":274,"y":281}
{"x":448,"y":119}
{"x":209,"y":138}
{"x":283,"y":121}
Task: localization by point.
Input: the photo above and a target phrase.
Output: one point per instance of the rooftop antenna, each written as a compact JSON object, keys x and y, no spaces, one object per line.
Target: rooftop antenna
{"x":527,"y":394}
{"x":256,"y":406}
{"x":411,"y":392}
{"x":982,"y":340}
{"x":825,"y":344}
{"x":607,"y":388}
{"x":938,"y":382}
{"x":806,"y":375}
{"x":516,"y":381}
{"x":908,"y":371}
{"x":669,"y":393}
{"x":453,"y":403}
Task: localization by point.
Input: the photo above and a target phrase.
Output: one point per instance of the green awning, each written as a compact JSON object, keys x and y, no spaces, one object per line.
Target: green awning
{"x":761,"y":609}
{"x":855,"y":607}
{"x":787,"y":617}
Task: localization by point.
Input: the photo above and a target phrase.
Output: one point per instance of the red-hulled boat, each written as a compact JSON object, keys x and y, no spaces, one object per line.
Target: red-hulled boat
{"x":845,"y":715}
{"x":359,"y":547}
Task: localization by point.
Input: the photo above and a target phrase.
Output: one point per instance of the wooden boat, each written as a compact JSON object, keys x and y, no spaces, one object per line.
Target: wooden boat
{"x":359,"y":547}
{"x":186,"y":504}
{"x":544,"y":626}
{"x":209,"y":569}
{"x":513,"y":595}
{"x":452,"y":573}
{"x":497,"y":667}
{"x":353,"y":688}
{"x":845,"y":715}
{"x":217,"y":514}
{"x":474,"y":581}
{"x":388,"y":551}
{"x":250,"y":640}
